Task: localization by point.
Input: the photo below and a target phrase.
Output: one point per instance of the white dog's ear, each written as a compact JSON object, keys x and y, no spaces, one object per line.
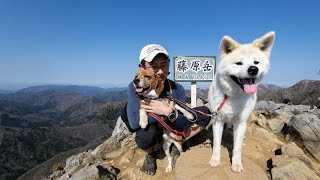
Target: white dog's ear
{"x":265,"y":43}
{"x":227,"y":45}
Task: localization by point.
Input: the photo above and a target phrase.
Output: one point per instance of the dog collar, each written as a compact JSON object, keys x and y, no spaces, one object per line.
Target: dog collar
{"x":222,"y":103}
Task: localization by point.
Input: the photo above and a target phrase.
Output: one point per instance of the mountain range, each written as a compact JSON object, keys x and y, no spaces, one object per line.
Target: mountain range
{"x":39,"y":122}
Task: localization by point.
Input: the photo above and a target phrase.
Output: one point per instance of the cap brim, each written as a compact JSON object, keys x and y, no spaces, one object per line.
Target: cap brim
{"x":150,"y":57}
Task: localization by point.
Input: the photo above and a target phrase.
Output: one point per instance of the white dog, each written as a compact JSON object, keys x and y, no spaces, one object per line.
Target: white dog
{"x":240,"y":69}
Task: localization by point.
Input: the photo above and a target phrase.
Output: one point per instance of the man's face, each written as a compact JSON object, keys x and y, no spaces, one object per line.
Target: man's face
{"x":160,"y":66}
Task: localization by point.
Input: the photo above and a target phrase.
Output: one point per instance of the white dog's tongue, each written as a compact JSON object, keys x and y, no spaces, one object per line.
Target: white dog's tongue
{"x":139,"y":90}
{"x":250,"y":88}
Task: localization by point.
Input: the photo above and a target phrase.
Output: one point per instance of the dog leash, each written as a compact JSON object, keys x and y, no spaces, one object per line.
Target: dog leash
{"x":166,"y":126}
{"x":182,"y":104}
{"x":194,"y":111}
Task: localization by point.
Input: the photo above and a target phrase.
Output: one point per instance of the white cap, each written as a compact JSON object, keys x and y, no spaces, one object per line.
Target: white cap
{"x":150,"y":51}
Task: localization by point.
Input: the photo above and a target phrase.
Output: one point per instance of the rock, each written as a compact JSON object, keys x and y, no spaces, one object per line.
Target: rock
{"x":299,"y":109}
{"x":259,"y":145}
{"x":266,"y":108}
{"x":307,"y":126}
{"x":284,"y":110}
{"x":276,"y":124}
{"x":285,"y":167}
{"x":76,"y":160}
{"x":271,"y":109}
{"x":129,"y":172}
{"x":121,"y":152}
{"x":316,"y":111}
{"x":199,"y":168}
{"x":120,"y":128}
{"x":126,"y":158}
{"x":314,"y":148}
{"x":266,"y":138}
{"x":261,"y":120}
{"x":293,"y":151}
{"x":86,"y":173}
{"x":56,"y":174}
{"x":119,"y":133}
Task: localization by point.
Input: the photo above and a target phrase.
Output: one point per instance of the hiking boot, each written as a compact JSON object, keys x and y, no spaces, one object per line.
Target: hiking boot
{"x":149,"y":164}
{"x":175,"y":153}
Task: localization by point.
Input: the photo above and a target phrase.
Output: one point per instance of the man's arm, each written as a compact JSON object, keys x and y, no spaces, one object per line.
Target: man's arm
{"x":133,"y":107}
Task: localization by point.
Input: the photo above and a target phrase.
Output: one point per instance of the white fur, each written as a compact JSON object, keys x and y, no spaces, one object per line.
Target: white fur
{"x":143,"y":122}
{"x":166,"y":147}
{"x":168,"y":140}
{"x":187,"y":114}
{"x":151,"y":94}
{"x":239,"y":104}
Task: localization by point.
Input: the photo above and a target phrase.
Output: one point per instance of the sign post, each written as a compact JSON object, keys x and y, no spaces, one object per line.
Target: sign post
{"x":194,"y":69}
{"x":193,"y":94}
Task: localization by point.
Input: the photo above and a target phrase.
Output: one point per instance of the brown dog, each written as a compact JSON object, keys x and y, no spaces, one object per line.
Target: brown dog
{"x":148,"y":85}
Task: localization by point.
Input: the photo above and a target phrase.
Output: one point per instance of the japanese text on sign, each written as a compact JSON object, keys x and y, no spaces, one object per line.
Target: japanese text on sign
{"x":194,"y":68}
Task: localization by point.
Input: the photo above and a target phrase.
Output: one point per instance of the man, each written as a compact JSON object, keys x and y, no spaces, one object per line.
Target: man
{"x":155,"y":58}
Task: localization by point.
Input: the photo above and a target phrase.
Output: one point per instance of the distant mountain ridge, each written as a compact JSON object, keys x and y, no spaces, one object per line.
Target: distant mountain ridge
{"x":38,"y":122}
{"x":74,"y":89}
{"x":2,"y":91}
{"x":305,"y":92}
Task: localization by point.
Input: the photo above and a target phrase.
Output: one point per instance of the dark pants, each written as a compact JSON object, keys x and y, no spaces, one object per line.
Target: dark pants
{"x":148,"y":137}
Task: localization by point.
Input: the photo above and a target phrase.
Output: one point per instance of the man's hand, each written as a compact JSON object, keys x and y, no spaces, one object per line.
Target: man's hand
{"x":156,"y":107}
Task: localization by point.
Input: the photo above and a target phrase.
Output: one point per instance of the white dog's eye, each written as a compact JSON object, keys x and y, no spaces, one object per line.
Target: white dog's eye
{"x":256,"y":62}
{"x":239,"y":63}
{"x":146,"y":76}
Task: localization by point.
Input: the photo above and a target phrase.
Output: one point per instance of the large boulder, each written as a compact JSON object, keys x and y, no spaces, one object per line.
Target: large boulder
{"x":307,"y":127}
{"x":285,"y":167}
{"x":119,"y":133}
{"x":293,"y":151}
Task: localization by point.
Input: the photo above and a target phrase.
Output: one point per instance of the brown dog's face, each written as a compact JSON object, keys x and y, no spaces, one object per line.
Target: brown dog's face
{"x":148,"y":84}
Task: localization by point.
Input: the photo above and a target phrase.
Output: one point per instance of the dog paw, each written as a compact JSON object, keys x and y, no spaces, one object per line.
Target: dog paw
{"x":165,"y":136}
{"x":237,"y":168}
{"x":214,"y":163}
{"x":143,"y":124}
{"x":168,"y":169}
{"x":189,"y":116}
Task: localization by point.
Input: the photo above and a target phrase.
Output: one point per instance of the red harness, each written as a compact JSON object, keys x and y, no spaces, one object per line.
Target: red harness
{"x":166,"y":126}
{"x":169,"y":128}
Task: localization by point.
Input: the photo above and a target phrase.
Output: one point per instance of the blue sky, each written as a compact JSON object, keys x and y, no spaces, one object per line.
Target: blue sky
{"x":98,"y":42}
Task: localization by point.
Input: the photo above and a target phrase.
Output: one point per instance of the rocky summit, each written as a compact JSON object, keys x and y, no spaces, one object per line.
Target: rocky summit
{"x":281,"y":142}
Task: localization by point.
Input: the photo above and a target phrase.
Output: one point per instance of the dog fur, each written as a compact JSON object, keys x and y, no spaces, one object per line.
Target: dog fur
{"x":148,"y":85}
{"x":240,"y":69}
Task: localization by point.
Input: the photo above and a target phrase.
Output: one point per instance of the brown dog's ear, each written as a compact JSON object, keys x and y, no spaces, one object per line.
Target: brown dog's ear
{"x":158,"y":84}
